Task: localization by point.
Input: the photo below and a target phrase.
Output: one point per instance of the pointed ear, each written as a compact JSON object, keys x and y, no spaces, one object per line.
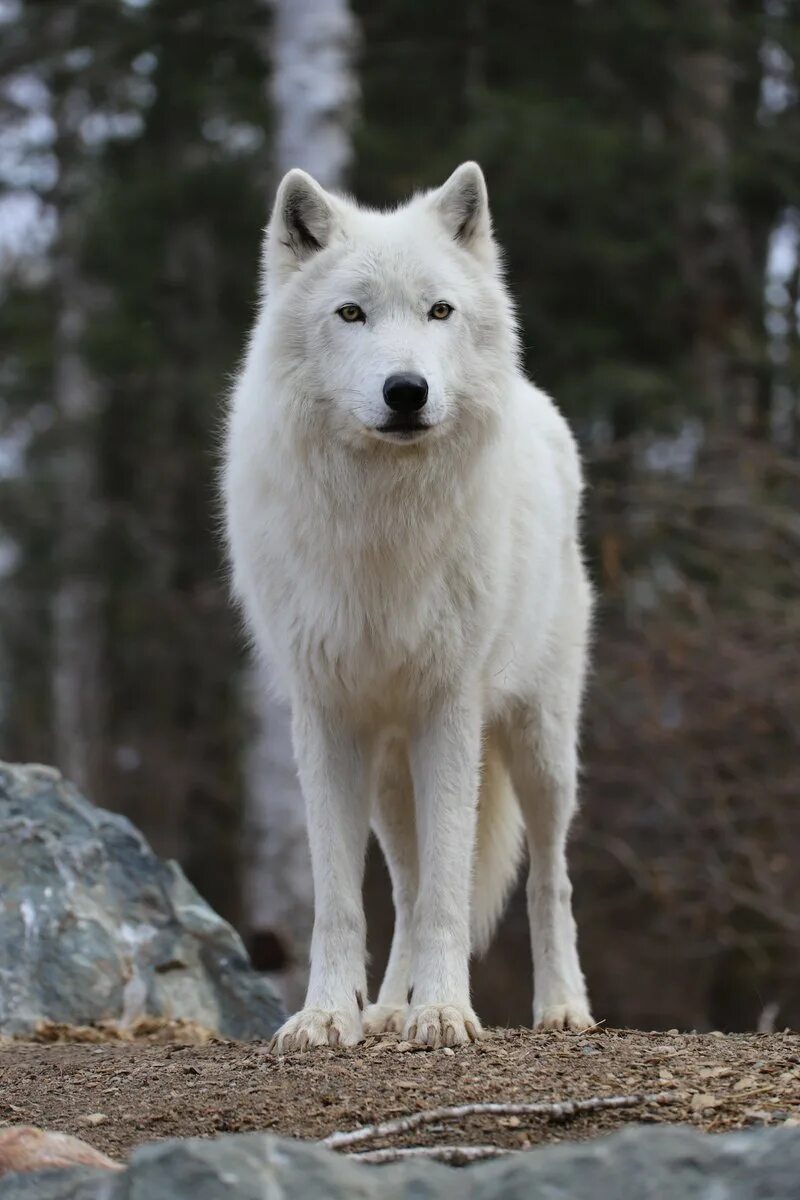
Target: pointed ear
{"x":463,"y":205}
{"x":301,"y":225}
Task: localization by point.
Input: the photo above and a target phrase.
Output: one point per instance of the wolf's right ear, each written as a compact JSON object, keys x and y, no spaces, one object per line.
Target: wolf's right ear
{"x":301,"y":224}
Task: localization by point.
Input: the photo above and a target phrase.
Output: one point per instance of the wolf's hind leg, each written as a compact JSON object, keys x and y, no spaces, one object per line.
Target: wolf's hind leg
{"x":543,"y":764}
{"x":393,"y":822}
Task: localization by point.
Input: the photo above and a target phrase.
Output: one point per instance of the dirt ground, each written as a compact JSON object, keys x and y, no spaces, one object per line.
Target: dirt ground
{"x":117,"y":1093}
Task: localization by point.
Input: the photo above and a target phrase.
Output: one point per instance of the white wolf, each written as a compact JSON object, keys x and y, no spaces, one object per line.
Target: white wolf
{"x":402,"y":513}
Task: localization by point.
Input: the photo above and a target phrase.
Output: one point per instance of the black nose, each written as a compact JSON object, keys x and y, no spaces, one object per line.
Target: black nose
{"x":405,"y":393}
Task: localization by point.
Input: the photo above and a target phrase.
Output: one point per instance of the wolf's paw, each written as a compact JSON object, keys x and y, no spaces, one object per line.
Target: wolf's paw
{"x":317,"y":1027}
{"x":385,"y":1018}
{"x":573,"y":1014}
{"x":442,"y":1025}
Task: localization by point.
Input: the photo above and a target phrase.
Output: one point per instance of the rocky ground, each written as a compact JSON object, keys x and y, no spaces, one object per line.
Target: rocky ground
{"x":95,"y":928}
{"x":176,"y":1082}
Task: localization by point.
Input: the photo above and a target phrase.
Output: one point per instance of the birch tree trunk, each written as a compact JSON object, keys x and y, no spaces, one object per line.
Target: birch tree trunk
{"x":314,"y":94}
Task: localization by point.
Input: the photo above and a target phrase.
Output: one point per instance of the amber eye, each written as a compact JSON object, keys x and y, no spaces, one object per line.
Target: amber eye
{"x":440,"y":311}
{"x":351,"y":312}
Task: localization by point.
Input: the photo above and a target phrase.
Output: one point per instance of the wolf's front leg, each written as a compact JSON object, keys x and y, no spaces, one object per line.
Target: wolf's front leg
{"x":332,"y":768}
{"x":445,"y":762}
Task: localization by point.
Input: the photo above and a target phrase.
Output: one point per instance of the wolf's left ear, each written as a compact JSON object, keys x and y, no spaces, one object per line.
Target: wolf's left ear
{"x":301,"y":225}
{"x":463,"y":205}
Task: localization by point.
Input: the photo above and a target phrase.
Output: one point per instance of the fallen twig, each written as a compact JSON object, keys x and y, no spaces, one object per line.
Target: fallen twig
{"x":557,"y":1110}
{"x":455,"y":1155}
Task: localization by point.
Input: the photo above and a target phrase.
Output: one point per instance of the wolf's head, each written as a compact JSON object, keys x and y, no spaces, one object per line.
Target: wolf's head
{"x":394,"y":325}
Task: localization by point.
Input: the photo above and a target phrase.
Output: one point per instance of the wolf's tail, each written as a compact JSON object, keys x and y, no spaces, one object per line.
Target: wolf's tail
{"x":499,"y":848}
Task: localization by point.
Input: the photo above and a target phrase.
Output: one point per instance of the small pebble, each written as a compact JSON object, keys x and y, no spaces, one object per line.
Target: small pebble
{"x":757,"y":1116}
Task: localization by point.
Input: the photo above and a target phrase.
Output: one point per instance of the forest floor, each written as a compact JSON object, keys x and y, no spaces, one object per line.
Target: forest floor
{"x":118,"y":1093}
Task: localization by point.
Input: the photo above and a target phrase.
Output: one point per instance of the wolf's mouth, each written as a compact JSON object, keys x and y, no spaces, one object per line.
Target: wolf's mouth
{"x":402,"y":429}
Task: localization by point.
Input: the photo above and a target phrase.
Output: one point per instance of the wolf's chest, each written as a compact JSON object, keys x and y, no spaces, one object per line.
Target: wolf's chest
{"x":369,"y":636}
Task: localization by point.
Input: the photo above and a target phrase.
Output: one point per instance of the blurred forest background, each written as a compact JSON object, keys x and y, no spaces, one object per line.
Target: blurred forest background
{"x":643,"y":160}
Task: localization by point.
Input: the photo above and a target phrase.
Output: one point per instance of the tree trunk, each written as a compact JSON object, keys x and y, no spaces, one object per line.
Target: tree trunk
{"x":718,"y":263}
{"x":77,"y":598}
{"x":314,"y":89}
{"x":313,"y":92}
{"x":77,"y":699}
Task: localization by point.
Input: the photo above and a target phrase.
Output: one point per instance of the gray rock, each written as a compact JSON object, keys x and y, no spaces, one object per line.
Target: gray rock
{"x":639,"y":1163}
{"x":93,"y":926}
{"x":77,"y":1183}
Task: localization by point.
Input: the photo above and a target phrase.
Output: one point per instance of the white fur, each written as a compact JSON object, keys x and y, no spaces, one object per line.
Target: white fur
{"x":422,"y":602}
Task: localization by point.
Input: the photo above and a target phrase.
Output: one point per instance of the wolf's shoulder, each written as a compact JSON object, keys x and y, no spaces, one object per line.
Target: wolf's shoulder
{"x":550,"y":433}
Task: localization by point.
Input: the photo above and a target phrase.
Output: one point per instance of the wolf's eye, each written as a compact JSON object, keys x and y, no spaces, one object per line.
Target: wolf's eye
{"x":440,"y":311}
{"x":351,"y":312}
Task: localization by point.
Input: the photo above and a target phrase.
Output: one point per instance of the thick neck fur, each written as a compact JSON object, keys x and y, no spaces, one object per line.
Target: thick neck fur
{"x":397,"y":487}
